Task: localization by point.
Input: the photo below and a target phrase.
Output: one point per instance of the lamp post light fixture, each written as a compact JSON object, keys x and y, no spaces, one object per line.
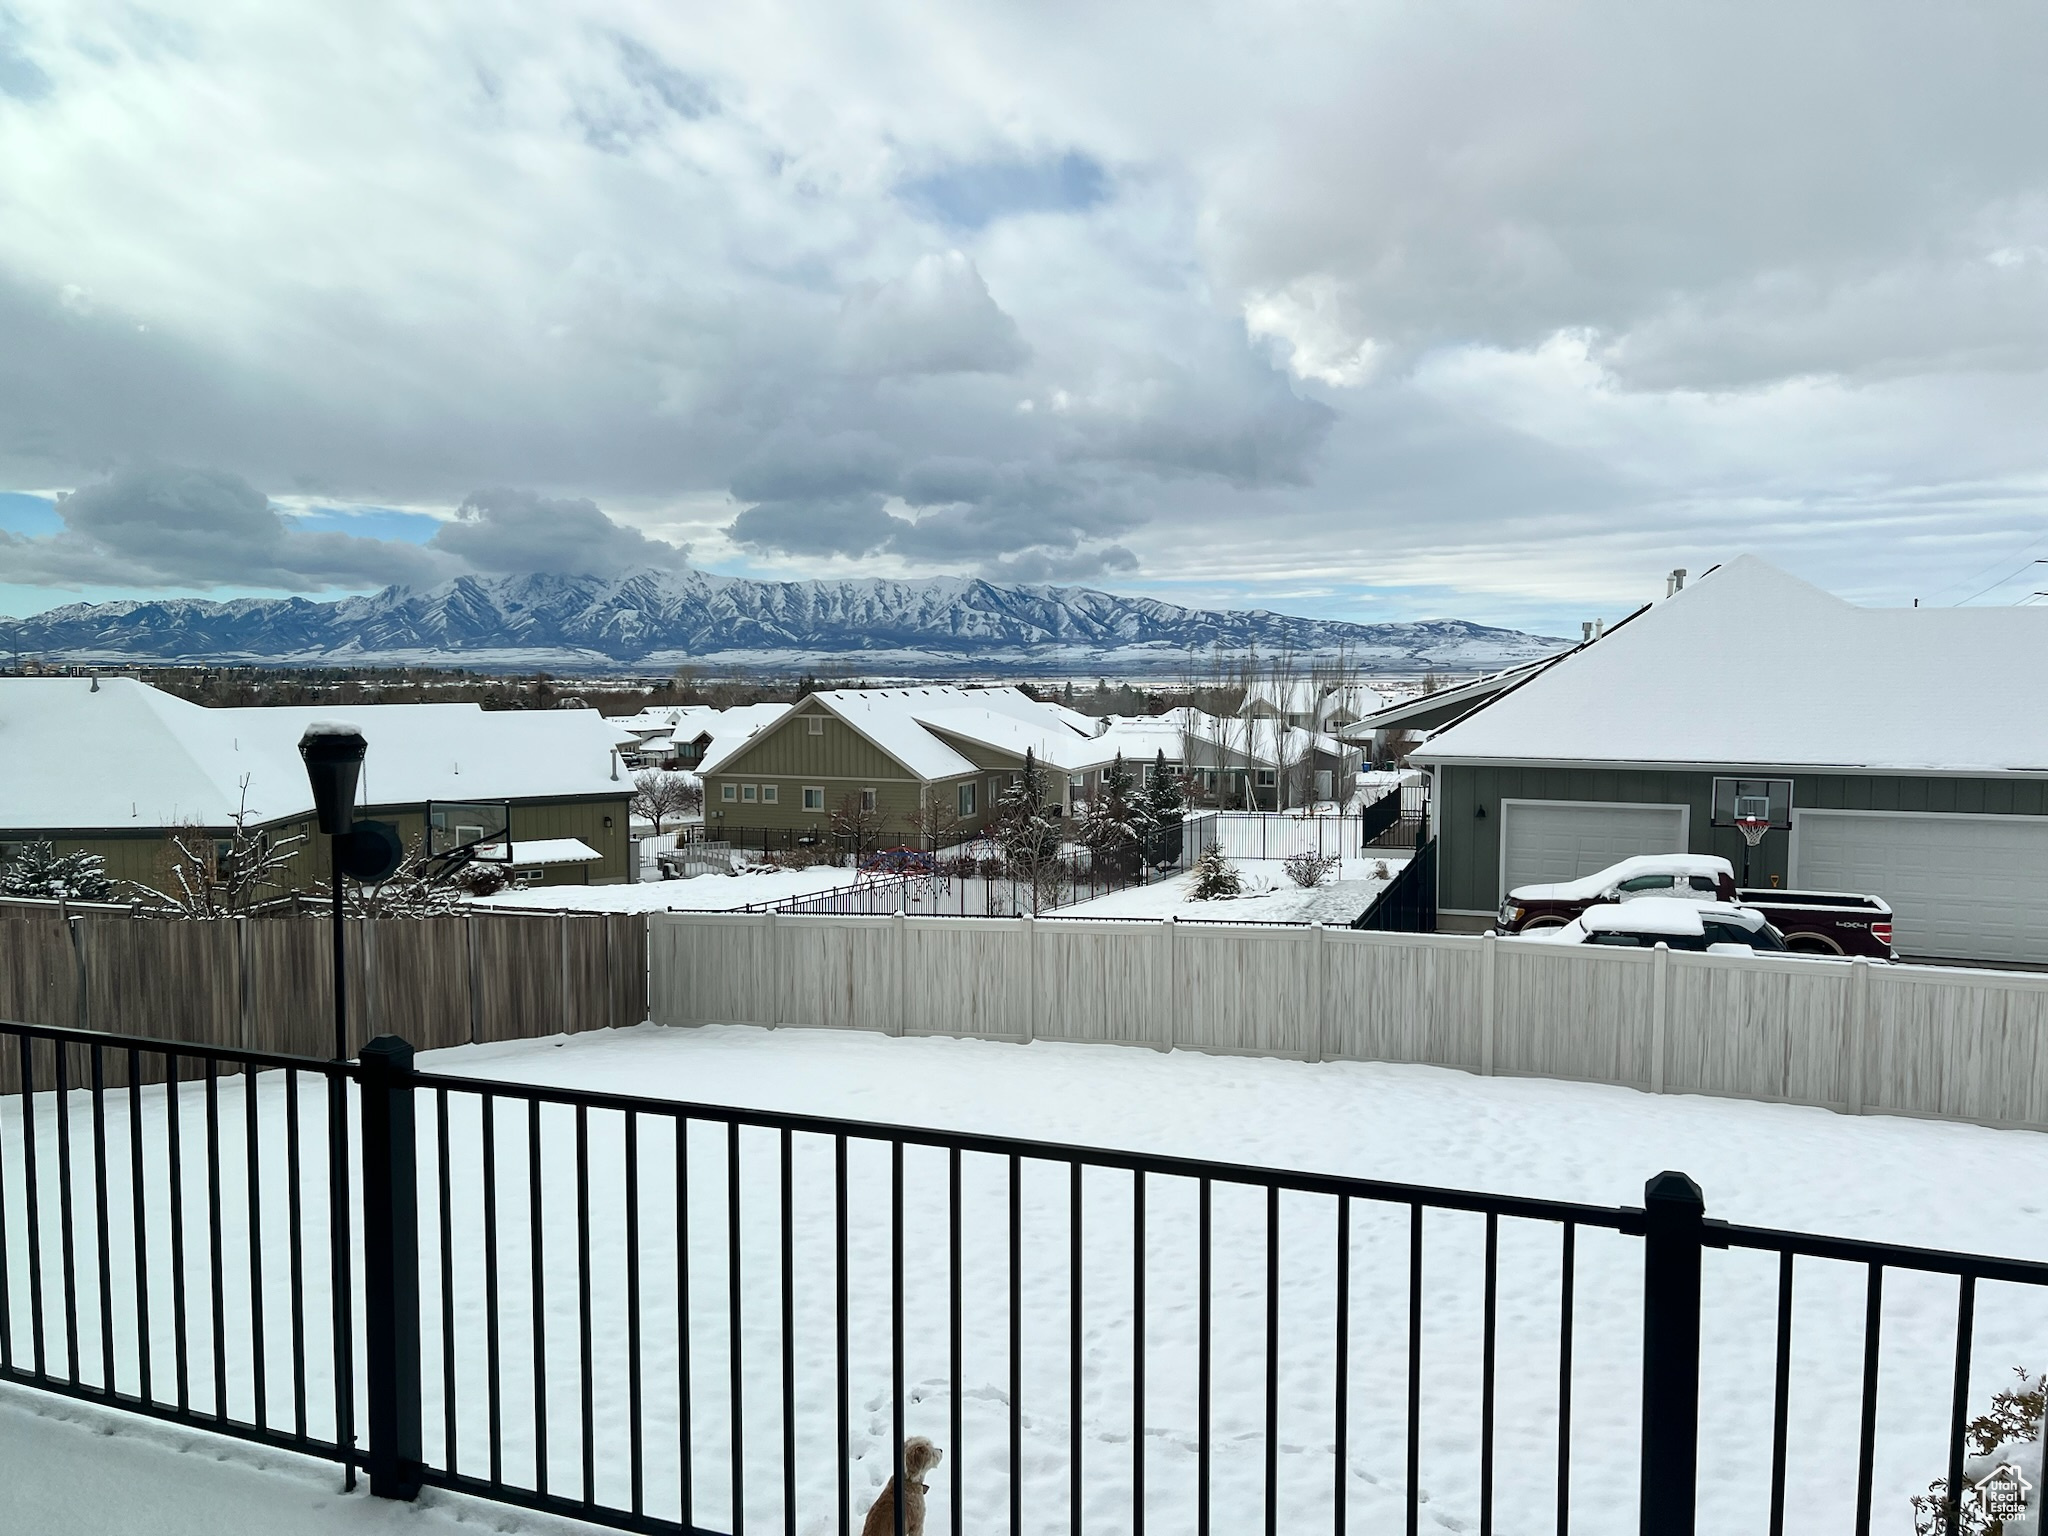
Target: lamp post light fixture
{"x":333,"y":755}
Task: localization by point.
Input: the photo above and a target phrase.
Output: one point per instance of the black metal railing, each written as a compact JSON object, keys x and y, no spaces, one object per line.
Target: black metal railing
{"x":176,"y":1232}
{"x":674,"y":1317}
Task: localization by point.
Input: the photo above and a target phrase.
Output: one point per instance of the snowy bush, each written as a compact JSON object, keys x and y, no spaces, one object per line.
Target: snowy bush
{"x":1380,"y":870}
{"x":1991,"y":1438}
{"x":38,"y":870}
{"x":1308,"y":869}
{"x":1216,"y":878}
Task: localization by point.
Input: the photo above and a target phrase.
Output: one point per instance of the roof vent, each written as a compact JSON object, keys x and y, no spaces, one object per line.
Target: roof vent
{"x":95,"y":688}
{"x":1675,"y":582}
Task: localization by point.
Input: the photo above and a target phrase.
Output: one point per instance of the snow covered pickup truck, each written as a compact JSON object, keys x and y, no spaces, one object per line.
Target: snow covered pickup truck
{"x":1813,"y":922}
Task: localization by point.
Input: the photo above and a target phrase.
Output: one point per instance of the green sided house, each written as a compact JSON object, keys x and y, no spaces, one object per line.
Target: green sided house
{"x":1898,"y":752}
{"x":114,"y":767}
{"x":922,"y":760}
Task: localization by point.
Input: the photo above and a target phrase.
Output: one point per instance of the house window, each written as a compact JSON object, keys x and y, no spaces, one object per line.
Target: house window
{"x":728,"y":792}
{"x":963,"y":800}
{"x":867,"y":799}
{"x":814,"y":797}
{"x":771,"y":794}
{"x":748,"y":793}
{"x":815,"y":725}
{"x":1268,"y":777}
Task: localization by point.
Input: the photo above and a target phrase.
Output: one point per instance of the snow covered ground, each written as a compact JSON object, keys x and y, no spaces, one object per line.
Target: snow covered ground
{"x":1906,"y":1181}
{"x":1269,"y":896}
{"x":706,"y":893}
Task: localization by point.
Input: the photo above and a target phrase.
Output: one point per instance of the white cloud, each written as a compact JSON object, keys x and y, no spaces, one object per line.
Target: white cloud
{"x":1517,"y":301}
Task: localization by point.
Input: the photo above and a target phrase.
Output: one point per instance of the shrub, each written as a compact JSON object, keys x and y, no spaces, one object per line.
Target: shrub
{"x":1308,"y":869}
{"x":1216,"y":878}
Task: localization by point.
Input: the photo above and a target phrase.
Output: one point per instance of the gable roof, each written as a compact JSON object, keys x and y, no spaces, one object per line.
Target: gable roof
{"x":1752,"y":667}
{"x":129,"y":755}
{"x":911,"y":725}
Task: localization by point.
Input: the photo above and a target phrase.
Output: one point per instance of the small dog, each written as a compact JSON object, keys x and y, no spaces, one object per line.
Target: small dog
{"x":919,"y":1457}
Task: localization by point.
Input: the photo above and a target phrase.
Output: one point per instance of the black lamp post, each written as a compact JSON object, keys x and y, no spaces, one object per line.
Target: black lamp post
{"x":334,"y":760}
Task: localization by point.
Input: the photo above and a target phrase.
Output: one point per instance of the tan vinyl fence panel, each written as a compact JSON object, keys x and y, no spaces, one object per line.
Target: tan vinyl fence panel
{"x":267,"y":984}
{"x":1952,"y":1043}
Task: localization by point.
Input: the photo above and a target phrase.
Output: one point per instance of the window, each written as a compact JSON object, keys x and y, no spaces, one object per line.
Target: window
{"x":963,"y":800}
{"x":1623,"y":940}
{"x":771,"y":794}
{"x":728,"y":792}
{"x":814,"y":797}
{"x":814,"y":725}
{"x":1643,"y":883}
{"x":1704,"y":883}
{"x":867,"y":799}
{"x":748,"y":793}
{"x":1268,"y":777}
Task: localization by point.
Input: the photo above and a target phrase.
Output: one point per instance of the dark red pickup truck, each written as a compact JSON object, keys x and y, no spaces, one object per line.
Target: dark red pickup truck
{"x":1813,"y":922}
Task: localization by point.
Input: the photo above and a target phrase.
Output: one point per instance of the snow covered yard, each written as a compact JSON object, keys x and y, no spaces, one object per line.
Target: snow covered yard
{"x":1903,"y":1181}
{"x":1269,"y":896}
{"x":706,"y":893}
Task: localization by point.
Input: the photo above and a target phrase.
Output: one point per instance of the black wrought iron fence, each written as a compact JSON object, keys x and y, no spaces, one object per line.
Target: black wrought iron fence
{"x":176,"y":1232}
{"x":669,"y":1317}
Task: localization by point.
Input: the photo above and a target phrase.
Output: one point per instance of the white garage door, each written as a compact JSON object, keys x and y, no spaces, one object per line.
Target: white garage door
{"x":1546,"y":840}
{"x":1961,"y":887}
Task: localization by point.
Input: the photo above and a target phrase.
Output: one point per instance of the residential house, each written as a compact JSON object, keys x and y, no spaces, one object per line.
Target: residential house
{"x":681,"y":737}
{"x":1261,"y":763}
{"x":927,"y":762}
{"x":114,"y":767}
{"x":1750,"y":683}
{"x":1312,"y":703}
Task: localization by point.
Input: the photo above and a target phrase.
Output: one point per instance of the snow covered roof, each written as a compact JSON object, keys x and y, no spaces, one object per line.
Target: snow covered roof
{"x":906,"y":723}
{"x":1315,"y":696}
{"x":552,"y":850}
{"x":1263,"y":738}
{"x":180,"y":763}
{"x":1751,"y":667}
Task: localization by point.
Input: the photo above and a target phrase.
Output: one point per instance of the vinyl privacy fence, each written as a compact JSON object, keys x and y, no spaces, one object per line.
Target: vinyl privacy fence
{"x":1852,"y":1036}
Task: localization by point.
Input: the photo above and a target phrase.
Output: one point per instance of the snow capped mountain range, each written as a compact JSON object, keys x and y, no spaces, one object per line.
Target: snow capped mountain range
{"x":662,"y":619}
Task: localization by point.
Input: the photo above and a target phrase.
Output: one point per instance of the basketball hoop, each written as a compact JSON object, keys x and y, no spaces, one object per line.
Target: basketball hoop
{"x":1753,"y":828}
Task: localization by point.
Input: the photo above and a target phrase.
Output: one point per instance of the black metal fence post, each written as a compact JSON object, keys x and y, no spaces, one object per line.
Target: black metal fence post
{"x":391,"y":1268}
{"x":1674,"y":1226}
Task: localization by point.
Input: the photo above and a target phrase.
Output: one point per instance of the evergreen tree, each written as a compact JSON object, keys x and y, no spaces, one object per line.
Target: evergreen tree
{"x":1118,"y":822}
{"x":1023,"y":831}
{"x":1165,"y":802}
{"x":1215,"y":876}
{"x":38,"y":870}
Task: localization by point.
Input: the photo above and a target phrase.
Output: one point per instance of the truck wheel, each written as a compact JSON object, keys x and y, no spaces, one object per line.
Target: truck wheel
{"x":1811,"y":944}
{"x":1535,"y":923}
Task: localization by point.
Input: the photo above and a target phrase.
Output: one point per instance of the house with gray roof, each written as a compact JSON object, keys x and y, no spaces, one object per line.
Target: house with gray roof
{"x":1753,"y":689}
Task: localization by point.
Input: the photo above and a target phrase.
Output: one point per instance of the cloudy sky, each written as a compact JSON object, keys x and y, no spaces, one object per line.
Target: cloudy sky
{"x":1376,"y":311}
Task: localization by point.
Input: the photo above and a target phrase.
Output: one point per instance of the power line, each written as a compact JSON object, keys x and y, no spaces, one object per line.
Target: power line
{"x":2009,"y":576}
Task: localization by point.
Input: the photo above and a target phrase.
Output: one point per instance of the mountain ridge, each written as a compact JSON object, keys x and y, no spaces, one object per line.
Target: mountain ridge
{"x":656,"y":618}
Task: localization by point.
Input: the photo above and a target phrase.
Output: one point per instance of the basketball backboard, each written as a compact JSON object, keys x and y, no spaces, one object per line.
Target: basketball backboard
{"x":1737,"y":800}
{"x":482,"y":827}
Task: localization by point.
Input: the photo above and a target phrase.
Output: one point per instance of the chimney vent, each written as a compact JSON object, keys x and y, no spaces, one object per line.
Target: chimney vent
{"x":1675,"y":582}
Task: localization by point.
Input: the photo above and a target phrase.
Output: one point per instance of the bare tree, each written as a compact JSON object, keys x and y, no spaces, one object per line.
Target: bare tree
{"x":419,"y":887}
{"x":859,"y":823}
{"x":935,"y":823}
{"x":657,"y":795}
{"x":207,"y":877}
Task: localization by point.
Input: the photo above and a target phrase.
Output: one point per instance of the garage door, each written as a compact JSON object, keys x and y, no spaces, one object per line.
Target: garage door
{"x":1546,"y":840}
{"x":1961,"y":887}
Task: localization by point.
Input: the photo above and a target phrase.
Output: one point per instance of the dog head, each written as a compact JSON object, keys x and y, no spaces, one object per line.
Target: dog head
{"x":920,"y":1456}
